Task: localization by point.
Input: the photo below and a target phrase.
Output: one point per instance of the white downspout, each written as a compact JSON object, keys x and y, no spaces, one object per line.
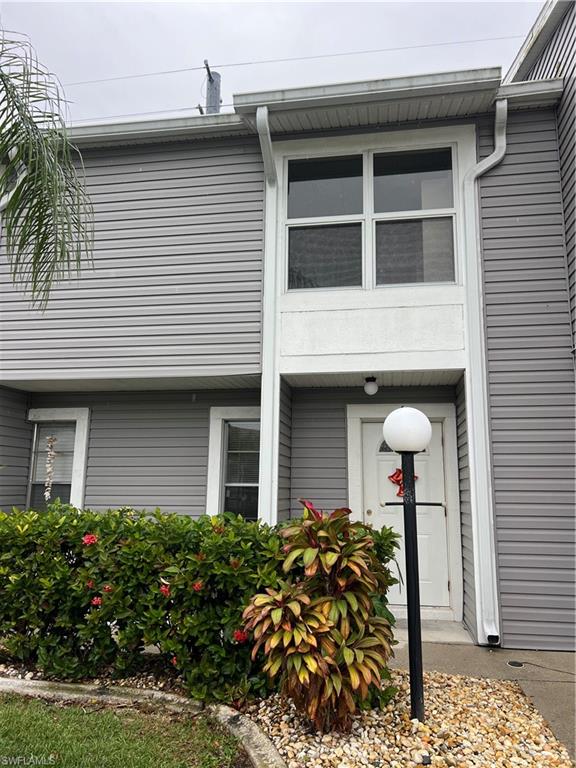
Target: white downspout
{"x":477,"y":407}
{"x":270,"y":386}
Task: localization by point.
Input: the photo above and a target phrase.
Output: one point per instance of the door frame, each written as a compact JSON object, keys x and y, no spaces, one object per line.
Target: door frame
{"x":444,"y":413}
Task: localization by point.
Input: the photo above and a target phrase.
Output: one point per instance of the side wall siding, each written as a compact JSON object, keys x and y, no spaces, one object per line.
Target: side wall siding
{"x":284,"y":451}
{"x":465,"y":509}
{"x":530,"y":383}
{"x":558,"y":59}
{"x":148,"y":449}
{"x":177,"y":278}
{"x":319,"y":439}
{"x":15,"y":448}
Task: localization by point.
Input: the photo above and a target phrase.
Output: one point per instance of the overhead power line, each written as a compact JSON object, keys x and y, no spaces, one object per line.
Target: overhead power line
{"x":142,"y":114}
{"x":295,"y":58}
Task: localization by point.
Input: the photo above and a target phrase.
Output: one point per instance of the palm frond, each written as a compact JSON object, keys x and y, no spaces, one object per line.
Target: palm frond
{"x":46,"y":212}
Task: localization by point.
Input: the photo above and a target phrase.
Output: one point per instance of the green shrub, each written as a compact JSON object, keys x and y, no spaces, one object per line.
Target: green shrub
{"x":321,"y":634}
{"x":82,"y":593}
{"x":85,"y":591}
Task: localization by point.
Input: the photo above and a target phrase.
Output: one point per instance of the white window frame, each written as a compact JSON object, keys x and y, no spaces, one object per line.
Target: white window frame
{"x":368,"y":146}
{"x":81,"y":417}
{"x":219,"y":416}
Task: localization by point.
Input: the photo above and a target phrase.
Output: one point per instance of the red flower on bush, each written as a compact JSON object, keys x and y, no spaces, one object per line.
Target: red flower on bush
{"x":197,"y":586}
{"x":96,"y":600}
{"x":165,"y":589}
{"x":89,"y":538}
{"x":174,"y":661}
{"x":108,"y":588}
{"x":235,"y":563}
{"x":90,"y":584}
{"x":240,"y":636}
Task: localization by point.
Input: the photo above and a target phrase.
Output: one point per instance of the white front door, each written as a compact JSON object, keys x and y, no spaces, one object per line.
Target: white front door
{"x":381,"y":488}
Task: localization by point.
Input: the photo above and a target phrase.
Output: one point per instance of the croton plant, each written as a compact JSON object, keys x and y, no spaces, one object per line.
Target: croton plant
{"x":320,"y":631}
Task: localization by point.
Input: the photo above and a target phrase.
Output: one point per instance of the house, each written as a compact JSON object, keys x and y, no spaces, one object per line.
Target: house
{"x":253,"y":270}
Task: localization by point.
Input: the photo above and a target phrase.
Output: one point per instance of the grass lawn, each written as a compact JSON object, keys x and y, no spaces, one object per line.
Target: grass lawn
{"x":80,"y":737}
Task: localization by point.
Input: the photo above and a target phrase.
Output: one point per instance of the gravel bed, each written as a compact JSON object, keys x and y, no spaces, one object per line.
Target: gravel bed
{"x":471,"y":723}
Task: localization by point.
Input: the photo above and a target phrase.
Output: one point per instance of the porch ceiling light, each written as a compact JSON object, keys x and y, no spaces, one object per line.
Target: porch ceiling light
{"x":370,"y":386}
{"x":407,"y":430}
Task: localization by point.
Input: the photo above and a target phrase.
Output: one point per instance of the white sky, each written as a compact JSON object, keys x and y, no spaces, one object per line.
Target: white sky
{"x":92,"y":40}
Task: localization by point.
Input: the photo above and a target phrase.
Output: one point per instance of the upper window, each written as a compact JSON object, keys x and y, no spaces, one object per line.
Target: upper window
{"x":337,"y":239}
{"x":413,"y":181}
{"x":326,"y":186}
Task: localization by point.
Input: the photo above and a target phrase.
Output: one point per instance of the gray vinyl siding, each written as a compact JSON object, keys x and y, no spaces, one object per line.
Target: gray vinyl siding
{"x":15,"y":448}
{"x":530,"y":383}
{"x":284,"y":451}
{"x":319,"y":440}
{"x":558,"y":59}
{"x":465,"y":510}
{"x":177,"y":279}
{"x":148,"y":449}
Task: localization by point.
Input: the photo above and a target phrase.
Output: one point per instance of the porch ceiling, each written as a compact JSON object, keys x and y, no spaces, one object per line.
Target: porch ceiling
{"x":384,"y":379}
{"x":238,"y":381}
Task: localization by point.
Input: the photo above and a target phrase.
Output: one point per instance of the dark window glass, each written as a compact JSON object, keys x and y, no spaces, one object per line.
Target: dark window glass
{"x":61,"y":436}
{"x":59,"y":491}
{"x":242,"y":500}
{"x":414,"y":251}
{"x":241,"y":470}
{"x":384,"y":447}
{"x":411,"y":181}
{"x":325,"y":257}
{"x":328,"y":186}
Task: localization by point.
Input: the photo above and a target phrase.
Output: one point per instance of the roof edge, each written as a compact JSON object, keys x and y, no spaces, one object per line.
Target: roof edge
{"x":200,"y":126}
{"x":540,"y":33}
{"x":369,"y":90}
{"x":532,"y":93}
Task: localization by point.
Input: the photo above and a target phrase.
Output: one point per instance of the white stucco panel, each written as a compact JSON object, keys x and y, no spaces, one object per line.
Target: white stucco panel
{"x":372,"y":331}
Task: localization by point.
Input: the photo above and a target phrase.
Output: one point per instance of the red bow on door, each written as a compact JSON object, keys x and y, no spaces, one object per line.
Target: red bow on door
{"x":398,"y":480}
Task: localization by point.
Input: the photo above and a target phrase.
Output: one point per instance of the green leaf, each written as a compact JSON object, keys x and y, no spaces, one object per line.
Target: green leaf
{"x":310,"y":554}
{"x":348,"y":655}
{"x":276,"y":616}
{"x":290,"y":558}
{"x":331,"y":558}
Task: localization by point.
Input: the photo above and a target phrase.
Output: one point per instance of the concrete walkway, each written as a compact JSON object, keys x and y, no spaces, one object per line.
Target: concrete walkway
{"x":547,"y":677}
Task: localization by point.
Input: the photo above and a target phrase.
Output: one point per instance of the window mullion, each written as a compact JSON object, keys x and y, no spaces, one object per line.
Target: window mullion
{"x":368,"y":239}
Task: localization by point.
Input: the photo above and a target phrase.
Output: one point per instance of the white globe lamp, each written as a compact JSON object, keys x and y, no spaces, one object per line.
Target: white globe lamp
{"x":407,"y":430}
{"x":370,"y":385}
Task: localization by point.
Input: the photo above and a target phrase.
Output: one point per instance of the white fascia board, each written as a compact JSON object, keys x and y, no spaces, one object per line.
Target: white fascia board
{"x":197,"y":126}
{"x":536,"y":40}
{"x":370,"y":90}
{"x":532,"y":93}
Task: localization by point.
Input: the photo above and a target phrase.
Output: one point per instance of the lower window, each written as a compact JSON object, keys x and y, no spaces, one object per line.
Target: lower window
{"x":414,"y":251}
{"x":242,"y":458}
{"x":53,"y":459}
{"x":328,"y":256}
{"x":59,"y":455}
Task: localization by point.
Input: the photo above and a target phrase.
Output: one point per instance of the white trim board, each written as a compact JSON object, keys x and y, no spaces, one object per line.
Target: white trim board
{"x":219,"y":415}
{"x":445,"y":413}
{"x":82,"y":418}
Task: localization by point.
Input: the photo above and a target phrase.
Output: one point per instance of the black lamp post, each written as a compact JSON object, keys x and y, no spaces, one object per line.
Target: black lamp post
{"x":408,"y":431}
